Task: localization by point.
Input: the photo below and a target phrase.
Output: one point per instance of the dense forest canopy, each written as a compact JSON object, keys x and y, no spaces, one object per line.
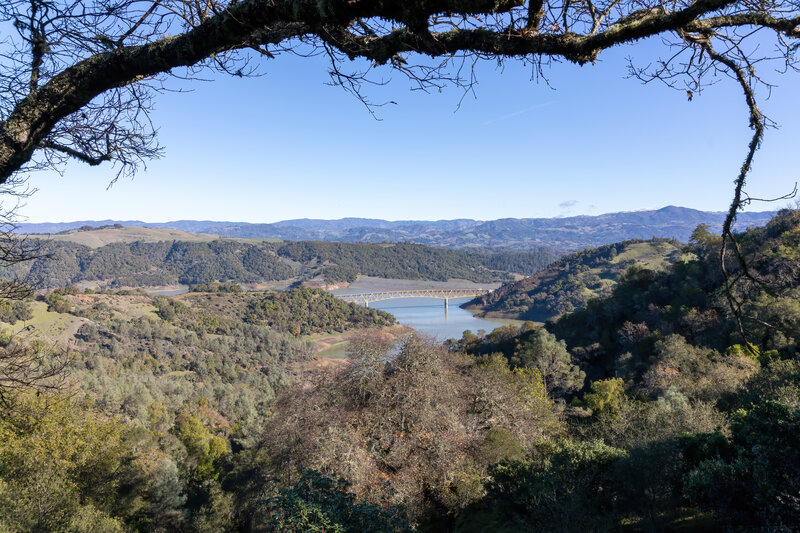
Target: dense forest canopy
{"x":142,"y":264}
{"x":160,"y":393}
{"x":413,"y":261}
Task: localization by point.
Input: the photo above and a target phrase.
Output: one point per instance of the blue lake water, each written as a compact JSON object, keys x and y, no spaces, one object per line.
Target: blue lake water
{"x":427,"y":315}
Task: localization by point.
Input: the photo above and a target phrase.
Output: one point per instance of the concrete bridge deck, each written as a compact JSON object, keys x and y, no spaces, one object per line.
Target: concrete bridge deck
{"x":365,"y":298}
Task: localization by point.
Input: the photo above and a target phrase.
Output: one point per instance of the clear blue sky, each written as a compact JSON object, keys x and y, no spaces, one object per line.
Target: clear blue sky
{"x":285,"y":146}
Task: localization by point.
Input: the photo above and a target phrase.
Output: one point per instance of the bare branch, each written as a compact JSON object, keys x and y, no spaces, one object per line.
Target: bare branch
{"x":86,"y":158}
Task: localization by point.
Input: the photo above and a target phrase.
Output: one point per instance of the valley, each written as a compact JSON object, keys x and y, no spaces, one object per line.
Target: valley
{"x":173,"y":367}
{"x":255,"y":264}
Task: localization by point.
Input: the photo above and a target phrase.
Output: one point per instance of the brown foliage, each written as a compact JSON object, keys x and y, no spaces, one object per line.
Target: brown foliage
{"x":418,"y":437}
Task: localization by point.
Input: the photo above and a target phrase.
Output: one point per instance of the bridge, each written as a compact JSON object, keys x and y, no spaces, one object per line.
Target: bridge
{"x":365,"y":298}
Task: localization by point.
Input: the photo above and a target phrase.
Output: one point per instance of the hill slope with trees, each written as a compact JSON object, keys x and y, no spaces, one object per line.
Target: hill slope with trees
{"x":647,"y":410}
{"x":569,"y":283}
{"x":143,"y":264}
{"x":160,"y":393}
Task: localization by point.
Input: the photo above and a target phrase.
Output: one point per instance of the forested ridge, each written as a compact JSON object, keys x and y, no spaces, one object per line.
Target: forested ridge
{"x":645,"y":411}
{"x":569,"y":283}
{"x":141,"y":264}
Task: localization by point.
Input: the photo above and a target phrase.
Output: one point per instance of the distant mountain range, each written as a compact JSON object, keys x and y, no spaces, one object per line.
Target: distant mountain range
{"x":565,"y":234}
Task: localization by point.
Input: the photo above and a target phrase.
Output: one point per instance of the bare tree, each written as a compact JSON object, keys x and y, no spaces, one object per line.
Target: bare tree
{"x":27,"y":366}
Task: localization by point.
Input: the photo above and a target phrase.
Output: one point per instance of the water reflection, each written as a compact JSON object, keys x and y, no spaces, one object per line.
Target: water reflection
{"x":429,"y":316}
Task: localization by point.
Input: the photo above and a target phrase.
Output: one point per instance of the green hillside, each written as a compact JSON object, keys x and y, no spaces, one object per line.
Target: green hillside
{"x":679,"y":425}
{"x":569,"y":283}
{"x":169,"y":262}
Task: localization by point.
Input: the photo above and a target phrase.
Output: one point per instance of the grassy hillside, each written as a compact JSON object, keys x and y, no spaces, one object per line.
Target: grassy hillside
{"x":97,"y":237}
{"x":569,"y":283}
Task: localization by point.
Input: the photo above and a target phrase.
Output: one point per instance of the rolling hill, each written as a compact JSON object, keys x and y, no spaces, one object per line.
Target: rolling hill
{"x":97,"y":237}
{"x":81,"y":256}
{"x":569,"y":283}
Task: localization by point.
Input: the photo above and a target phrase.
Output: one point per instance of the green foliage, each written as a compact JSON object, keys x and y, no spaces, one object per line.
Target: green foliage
{"x":129,"y":364}
{"x":59,"y":467}
{"x":160,"y":263}
{"x":762,"y":357}
{"x":501,"y":444}
{"x":778,"y":380}
{"x":411,"y":261}
{"x":189,"y":401}
{"x":752,"y":479}
{"x":564,"y":487}
{"x":319,"y":504}
{"x":175,"y":423}
{"x":216,"y":287}
{"x":606,"y":395}
{"x":674,"y":326}
{"x":57,"y":303}
{"x":141,"y":264}
{"x":647,"y":483}
{"x":204,"y":448}
{"x":543,"y":351}
{"x":705,"y":244}
{"x":12,"y":311}
{"x":304,"y":311}
{"x":337,"y":274}
{"x":529,"y":395}
{"x":698,"y":373}
{"x":638,"y":424}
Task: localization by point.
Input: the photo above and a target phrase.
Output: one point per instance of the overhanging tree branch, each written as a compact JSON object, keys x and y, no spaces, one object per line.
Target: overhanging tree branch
{"x":80,"y":156}
{"x":379,"y":31}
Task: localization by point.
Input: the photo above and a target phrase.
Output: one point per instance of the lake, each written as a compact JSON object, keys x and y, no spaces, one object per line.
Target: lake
{"x":427,"y":316}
